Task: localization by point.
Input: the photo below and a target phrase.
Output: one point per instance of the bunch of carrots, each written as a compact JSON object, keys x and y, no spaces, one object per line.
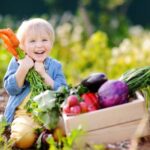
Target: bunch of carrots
{"x":37,"y":84}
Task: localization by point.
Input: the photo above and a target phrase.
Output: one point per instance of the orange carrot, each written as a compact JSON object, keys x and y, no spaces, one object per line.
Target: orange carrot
{"x":11,"y":36}
{"x":9,"y":45}
{"x":6,"y":40}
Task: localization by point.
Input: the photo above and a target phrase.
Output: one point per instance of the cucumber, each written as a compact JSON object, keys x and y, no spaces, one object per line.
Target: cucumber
{"x":137,"y":78}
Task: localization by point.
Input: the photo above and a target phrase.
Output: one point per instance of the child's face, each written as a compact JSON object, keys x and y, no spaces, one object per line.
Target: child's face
{"x":37,"y":45}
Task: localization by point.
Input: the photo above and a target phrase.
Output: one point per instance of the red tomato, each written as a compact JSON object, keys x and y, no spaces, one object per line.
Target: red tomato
{"x":84,"y":107}
{"x":66,"y":109}
{"x":87,"y":99}
{"x":72,"y":100}
{"x":74,"y":110}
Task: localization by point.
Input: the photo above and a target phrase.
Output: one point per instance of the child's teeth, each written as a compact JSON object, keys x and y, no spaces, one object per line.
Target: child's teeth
{"x":39,"y":52}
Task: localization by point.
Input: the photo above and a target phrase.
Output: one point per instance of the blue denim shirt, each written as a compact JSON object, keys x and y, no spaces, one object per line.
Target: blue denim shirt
{"x":17,"y":95}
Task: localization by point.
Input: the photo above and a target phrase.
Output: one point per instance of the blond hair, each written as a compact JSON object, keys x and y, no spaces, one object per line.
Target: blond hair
{"x":35,"y":24}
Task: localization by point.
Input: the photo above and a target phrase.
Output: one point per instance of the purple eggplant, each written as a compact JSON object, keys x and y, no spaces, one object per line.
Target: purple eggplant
{"x":94,"y":81}
{"x":113,"y":92}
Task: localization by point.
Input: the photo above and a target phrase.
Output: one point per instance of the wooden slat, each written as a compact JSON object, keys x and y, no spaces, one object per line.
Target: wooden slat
{"x":107,"y":117}
{"x":114,"y":133}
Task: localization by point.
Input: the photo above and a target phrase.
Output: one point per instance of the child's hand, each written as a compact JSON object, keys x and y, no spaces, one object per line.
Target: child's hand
{"x":39,"y":67}
{"x":26,"y":63}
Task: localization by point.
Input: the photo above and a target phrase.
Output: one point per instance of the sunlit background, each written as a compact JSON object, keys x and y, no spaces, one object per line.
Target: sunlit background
{"x":109,"y":36}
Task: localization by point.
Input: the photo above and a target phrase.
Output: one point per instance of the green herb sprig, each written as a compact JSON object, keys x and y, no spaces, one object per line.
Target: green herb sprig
{"x":37,"y":84}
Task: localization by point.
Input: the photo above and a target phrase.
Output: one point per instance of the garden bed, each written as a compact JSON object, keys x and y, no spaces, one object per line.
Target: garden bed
{"x":3,"y":100}
{"x":144,"y":143}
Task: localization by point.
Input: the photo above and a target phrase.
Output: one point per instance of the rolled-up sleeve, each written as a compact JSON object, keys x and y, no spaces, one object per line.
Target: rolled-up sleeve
{"x":10,"y":83}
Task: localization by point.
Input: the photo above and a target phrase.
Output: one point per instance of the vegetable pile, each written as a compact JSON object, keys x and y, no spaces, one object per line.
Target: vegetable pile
{"x":94,"y":92}
{"x":77,"y":104}
{"x":101,"y":92}
{"x":97,"y":92}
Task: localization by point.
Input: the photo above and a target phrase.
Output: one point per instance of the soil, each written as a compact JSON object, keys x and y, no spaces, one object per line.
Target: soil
{"x":3,"y":100}
{"x":142,"y":144}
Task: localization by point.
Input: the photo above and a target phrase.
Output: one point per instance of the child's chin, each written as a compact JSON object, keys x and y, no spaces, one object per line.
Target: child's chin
{"x":39,"y":59}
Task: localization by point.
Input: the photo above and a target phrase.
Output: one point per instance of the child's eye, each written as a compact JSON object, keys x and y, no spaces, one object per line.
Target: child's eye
{"x":44,"y":40}
{"x":32,"y":41}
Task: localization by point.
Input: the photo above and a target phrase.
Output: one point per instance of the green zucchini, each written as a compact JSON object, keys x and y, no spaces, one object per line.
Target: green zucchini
{"x":137,"y":78}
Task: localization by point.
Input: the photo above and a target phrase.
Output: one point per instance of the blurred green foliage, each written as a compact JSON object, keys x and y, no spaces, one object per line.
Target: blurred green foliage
{"x":81,"y":57}
{"x":109,"y":16}
{"x":4,"y":60}
{"x":97,"y":38}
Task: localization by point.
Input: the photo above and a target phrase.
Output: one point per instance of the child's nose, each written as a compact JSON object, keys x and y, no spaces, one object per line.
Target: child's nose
{"x":38,"y":43}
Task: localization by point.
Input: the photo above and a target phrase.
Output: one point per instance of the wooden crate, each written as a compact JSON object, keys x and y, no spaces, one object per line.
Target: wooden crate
{"x":110,"y":124}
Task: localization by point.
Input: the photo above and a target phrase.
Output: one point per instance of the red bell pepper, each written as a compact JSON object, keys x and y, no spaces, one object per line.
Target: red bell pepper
{"x":90,"y":101}
{"x":94,"y":98}
{"x":87,"y":99}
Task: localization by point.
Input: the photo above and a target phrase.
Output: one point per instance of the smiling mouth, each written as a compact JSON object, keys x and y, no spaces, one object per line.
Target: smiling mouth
{"x":38,"y":53}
